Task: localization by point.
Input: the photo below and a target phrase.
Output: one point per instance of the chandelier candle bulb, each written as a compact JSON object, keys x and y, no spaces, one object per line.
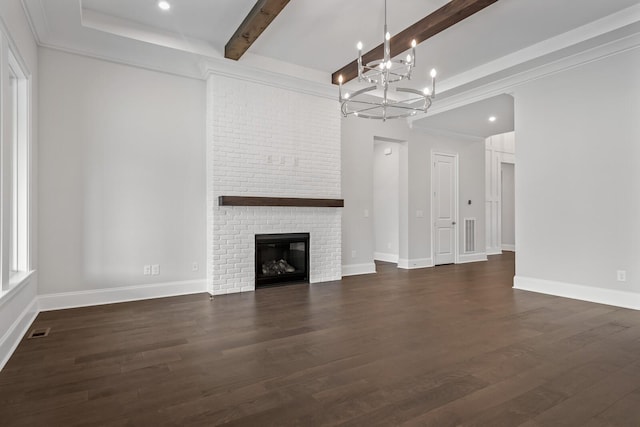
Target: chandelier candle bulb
{"x":387,"y":44}
{"x":359,"y":46}
{"x":433,"y":81}
{"x":413,"y":51}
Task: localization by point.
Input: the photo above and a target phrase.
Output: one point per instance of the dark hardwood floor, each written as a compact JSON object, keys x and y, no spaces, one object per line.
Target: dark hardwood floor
{"x":445,"y":346}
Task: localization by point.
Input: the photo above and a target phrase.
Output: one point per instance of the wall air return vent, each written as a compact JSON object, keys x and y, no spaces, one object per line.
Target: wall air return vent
{"x":469,"y":235}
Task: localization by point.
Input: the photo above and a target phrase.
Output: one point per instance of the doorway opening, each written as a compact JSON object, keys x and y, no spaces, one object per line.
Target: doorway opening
{"x":508,"y":204}
{"x":500,"y":193}
{"x":386,"y":199}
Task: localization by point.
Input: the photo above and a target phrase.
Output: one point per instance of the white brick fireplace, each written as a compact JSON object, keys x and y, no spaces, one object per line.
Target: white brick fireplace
{"x":269,"y":141}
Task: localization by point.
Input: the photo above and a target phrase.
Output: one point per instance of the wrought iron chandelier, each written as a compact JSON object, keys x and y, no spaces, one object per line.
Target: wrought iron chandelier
{"x":382,"y":73}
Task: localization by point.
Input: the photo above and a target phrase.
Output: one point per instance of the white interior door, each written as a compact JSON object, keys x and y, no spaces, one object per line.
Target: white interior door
{"x":445,"y":208}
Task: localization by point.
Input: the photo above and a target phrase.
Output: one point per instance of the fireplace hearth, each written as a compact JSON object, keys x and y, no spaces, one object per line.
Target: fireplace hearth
{"x":282,"y":258}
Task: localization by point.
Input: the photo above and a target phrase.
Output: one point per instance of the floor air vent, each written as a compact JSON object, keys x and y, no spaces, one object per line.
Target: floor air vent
{"x":469,"y":234}
{"x":38,"y":333}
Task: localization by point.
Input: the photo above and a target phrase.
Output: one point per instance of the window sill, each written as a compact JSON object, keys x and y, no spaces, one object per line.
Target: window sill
{"x":16,"y":282}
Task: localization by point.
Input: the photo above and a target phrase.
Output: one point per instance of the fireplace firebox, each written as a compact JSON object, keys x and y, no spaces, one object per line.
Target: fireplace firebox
{"x":282,"y":258}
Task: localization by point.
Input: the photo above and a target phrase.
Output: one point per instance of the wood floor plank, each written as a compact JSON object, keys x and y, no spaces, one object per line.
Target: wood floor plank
{"x":445,"y":346}
{"x":591,"y":402}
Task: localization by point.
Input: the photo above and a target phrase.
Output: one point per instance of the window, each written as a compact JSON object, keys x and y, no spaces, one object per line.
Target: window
{"x":17,"y":120}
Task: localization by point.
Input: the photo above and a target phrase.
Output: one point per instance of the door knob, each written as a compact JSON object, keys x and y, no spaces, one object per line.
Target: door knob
{"x":453,"y":223}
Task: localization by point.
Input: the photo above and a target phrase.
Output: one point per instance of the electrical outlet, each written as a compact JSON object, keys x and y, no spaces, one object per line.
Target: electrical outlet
{"x":366,"y":213}
{"x":195,"y":266}
{"x":419,"y":214}
{"x":353,"y":254}
{"x":147,"y":270}
{"x":155,"y":269}
{"x":622,"y":275}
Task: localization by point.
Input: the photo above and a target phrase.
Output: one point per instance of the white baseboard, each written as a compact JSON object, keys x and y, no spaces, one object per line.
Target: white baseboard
{"x":580,"y":292}
{"x":9,"y":342}
{"x":381,"y":256}
{"x":356,"y":269}
{"x":465,"y":258}
{"x":64,"y":300}
{"x":323,"y":279}
{"x":410,"y":264}
{"x":510,"y":248}
{"x":493,"y":251}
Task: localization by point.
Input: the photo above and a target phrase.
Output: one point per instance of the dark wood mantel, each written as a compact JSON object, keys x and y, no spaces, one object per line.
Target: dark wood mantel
{"x":280,"y":201}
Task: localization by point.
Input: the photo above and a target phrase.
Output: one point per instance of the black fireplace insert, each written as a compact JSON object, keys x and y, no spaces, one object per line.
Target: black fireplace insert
{"x":282,"y":258}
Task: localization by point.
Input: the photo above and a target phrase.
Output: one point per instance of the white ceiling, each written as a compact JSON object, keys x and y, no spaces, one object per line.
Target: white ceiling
{"x":210,"y":20}
{"x":321,"y":35}
{"x":326,"y":32}
{"x":312,"y":38}
{"x":473,"y":119}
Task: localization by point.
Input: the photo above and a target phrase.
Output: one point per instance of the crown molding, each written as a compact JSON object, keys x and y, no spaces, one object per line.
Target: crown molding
{"x":160,"y":68}
{"x":608,"y":36}
{"x":573,"y":38}
{"x":32,"y":25}
{"x":13,"y":47}
{"x":237,"y":70}
{"x":509,"y":82}
{"x":217,"y":66}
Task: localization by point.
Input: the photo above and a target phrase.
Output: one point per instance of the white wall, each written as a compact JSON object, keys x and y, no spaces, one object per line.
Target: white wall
{"x":414,"y":192}
{"x":471,"y":169}
{"x":18,"y":306}
{"x":578,"y":181}
{"x":386,"y":200}
{"x":357,"y":136}
{"x":122,"y":176}
{"x":508,"y":206}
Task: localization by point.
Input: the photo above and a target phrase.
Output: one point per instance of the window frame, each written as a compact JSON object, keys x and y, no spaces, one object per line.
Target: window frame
{"x":16,"y":156}
{"x":19,"y":251}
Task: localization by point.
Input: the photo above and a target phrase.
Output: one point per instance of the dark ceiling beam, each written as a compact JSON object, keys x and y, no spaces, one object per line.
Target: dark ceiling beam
{"x":434,"y":23}
{"x":258,"y":19}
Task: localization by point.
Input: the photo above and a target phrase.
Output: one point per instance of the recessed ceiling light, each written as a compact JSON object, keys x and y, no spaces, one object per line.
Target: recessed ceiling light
{"x":164,"y":5}
{"x":492,"y":118}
